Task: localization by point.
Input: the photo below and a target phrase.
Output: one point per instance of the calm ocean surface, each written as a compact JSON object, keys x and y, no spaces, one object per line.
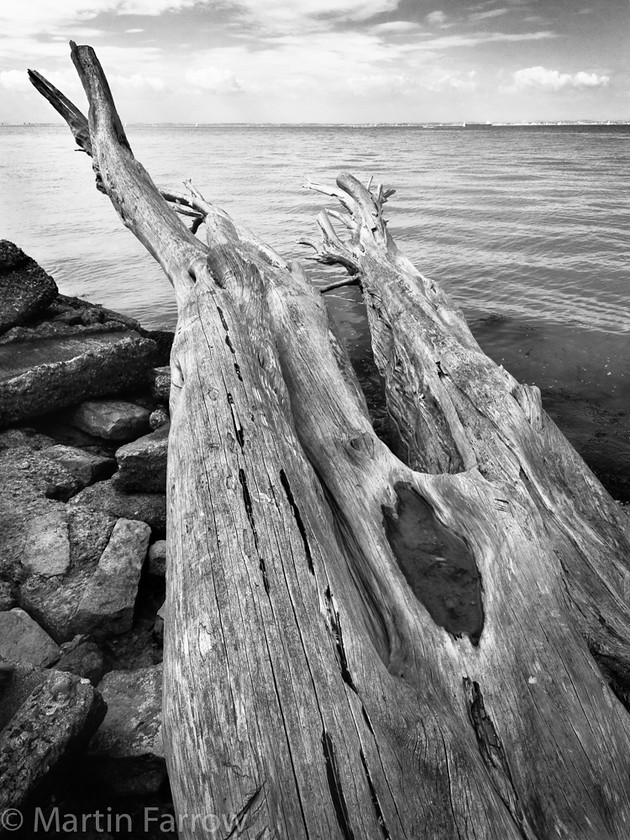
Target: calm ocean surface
{"x":528,"y":228}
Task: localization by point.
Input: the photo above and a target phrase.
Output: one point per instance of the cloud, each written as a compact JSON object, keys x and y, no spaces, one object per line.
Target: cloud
{"x":380,"y":84}
{"x":394,"y":26}
{"x":437,"y":18}
{"x":339,"y":9}
{"x":407,"y":84}
{"x":139,"y":82}
{"x":14,"y":80}
{"x":147,"y":7}
{"x":492,"y":13}
{"x":540,"y":78}
{"x":442,"y":80}
{"x":444,"y":42}
{"x":460,"y":81}
{"x":18,"y":79}
{"x":213,"y":79}
{"x":62,"y":16}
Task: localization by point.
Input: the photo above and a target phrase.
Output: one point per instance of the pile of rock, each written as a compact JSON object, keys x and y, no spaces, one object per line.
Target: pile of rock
{"x":83,"y":443}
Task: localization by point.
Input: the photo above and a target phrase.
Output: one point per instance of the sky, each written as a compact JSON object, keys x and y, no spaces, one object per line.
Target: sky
{"x":337,"y":61}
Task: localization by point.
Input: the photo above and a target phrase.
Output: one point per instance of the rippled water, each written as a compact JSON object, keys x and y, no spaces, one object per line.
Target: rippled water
{"x":528,"y":228}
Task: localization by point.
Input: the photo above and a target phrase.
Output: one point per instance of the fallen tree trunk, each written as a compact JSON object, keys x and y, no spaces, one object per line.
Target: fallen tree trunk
{"x":362,"y":644}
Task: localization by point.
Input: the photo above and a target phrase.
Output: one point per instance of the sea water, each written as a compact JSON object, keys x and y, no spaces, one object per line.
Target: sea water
{"x":527,"y":227}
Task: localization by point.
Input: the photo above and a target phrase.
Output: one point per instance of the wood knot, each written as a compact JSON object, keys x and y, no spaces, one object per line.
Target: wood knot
{"x":363,"y":443}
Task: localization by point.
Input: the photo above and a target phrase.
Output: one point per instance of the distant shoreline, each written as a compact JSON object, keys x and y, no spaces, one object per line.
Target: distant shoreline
{"x":469,"y":126}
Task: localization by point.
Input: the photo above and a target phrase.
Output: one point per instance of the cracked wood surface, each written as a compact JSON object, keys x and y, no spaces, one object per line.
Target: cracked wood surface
{"x":316,"y":685}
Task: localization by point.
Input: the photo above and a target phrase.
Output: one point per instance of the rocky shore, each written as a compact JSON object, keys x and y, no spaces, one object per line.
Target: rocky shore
{"x":84,"y":429}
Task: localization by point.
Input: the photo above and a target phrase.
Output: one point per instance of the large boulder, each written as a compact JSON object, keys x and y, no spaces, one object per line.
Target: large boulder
{"x":107,"y":604}
{"x":53,"y":601}
{"x":142,"y":464}
{"x":111,"y":419}
{"x":43,"y":373}
{"x":127,"y":753}
{"x":37,"y":533}
{"x":25,"y":288}
{"x":47,"y":543}
{"x":19,"y":681}
{"x":23,"y":640}
{"x":89,"y":532}
{"x":83,"y":657}
{"x":84,"y":466}
{"x":103,"y":496}
{"x":48,"y":729}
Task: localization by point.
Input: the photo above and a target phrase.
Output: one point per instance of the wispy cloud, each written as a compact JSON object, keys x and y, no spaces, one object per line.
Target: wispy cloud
{"x":287,"y":16}
{"x":445,"y":42}
{"x":540,"y":78}
{"x":437,"y":18}
{"x":393,"y":27}
{"x":491,"y":13}
{"x":213,"y":80}
{"x":60,"y":17}
{"x":139,"y":82}
{"x":409,"y":85}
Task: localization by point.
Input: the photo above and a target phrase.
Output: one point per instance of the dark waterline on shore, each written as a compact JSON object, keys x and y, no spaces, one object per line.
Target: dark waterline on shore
{"x":526,"y":226}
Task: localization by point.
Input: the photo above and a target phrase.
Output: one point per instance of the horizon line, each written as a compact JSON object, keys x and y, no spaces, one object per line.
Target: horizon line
{"x":393,"y":124}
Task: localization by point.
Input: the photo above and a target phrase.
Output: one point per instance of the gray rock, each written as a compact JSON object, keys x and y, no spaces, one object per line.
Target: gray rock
{"x":156,"y":559}
{"x":136,"y":649}
{"x":23,"y":640}
{"x":142,"y":464}
{"x":25,"y":288}
{"x":47,"y":544}
{"x":53,"y":601}
{"x":26,"y":546}
{"x":6,"y":596}
{"x":40,"y":374}
{"x":127,"y":753}
{"x":17,"y":685}
{"x":108,"y":602}
{"x":83,"y":657}
{"x":111,"y":419}
{"x":82,"y":311}
{"x":11,"y":257}
{"x":24,"y":437}
{"x":87,"y":468}
{"x":89,"y":532}
{"x":103,"y":496}
{"x":26,"y":472}
{"x":160,"y":383}
{"x":159,"y":417}
{"x":49,"y":728}
{"x":164,"y":340}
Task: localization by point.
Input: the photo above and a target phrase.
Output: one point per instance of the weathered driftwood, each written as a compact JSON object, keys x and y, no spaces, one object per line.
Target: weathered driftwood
{"x":360,"y":644}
